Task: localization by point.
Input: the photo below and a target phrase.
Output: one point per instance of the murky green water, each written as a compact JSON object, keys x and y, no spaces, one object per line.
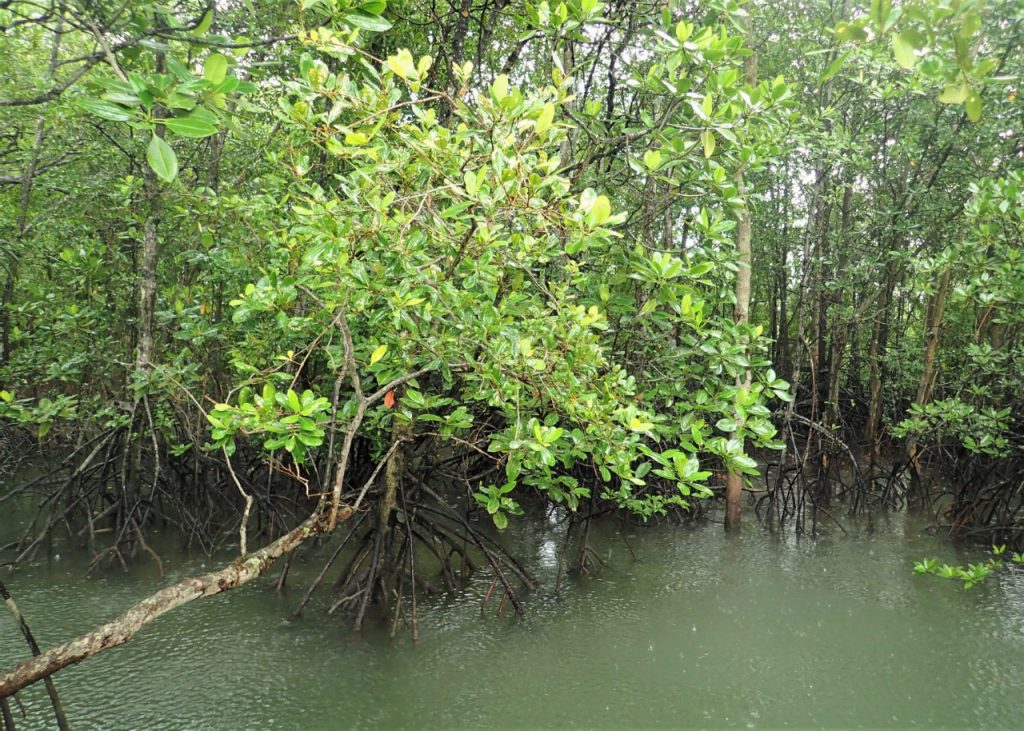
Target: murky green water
{"x":700,"y":631}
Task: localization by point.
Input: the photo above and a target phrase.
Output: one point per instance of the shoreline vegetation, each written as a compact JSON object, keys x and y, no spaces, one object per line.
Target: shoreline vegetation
{"x":388,"y":276}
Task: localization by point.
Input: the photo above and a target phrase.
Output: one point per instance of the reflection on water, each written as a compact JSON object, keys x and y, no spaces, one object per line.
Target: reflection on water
{"x":760,"y":631}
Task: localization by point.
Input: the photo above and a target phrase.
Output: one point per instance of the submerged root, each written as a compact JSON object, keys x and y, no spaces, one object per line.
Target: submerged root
{"x":425,"y":547}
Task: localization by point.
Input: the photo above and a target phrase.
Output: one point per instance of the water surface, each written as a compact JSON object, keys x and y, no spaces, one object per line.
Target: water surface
{"x":700,"y":630}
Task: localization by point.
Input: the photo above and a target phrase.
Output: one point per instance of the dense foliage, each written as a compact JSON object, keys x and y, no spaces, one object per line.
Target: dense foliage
{"x":558,"y":254}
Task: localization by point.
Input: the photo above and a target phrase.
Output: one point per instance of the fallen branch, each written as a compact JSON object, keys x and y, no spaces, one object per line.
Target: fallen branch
{"x":51,"y":689}
{"x":122,"y":629}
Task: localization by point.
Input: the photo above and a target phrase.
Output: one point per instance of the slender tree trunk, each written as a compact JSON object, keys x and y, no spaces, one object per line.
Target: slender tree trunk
{"x":741,"y":314}
{"x":148,"y":261}
{"x":876,"y":352}
{"x":459,"y":31}
{"x":841,"y":327}
{"x":785,"y":359}
{"x":400,"y":432}
{"x":933,"y":328}
{"x":734,"y":479}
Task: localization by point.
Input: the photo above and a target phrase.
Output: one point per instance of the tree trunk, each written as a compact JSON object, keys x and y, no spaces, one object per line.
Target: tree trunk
{"x":734,"y":480}
{"x":933,"y":328}
{"x":741,"y":313}
{"x":147,"y":272}
{"x":400,"y":432}
{"x":876,"y":352}
{"x":841,"y":327}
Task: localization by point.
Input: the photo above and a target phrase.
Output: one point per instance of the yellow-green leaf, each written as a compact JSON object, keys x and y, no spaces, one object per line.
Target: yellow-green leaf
{"x":424,"y":65}
{"x":652,"y":159}
{"x":903,"y":51}
{"x":402,"y":64}
{"x":601,"y":211}
{"x":636,"y":425}
{"x":499,"y":89}
{"x":547,"y":116}
{"x":472,"y":182}
{"x":954,"y":93}
{"x":708,"y":138}
{"x":204,"y":24}
{"x":215,"y":68}
{"x":973,"y":106}
{"x":378,"y":353}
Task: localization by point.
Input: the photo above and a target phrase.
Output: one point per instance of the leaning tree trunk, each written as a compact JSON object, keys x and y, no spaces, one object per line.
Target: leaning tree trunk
{"x":51,"y":689}
{"x":122,"y":629}
{"x":323,"y":520}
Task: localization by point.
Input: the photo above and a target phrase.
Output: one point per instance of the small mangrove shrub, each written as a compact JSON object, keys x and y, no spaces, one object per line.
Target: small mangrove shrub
{"x":972,"y":573}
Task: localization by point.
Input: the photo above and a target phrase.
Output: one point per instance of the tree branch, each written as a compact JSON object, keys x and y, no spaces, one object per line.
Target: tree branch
{"x":122,"y":629}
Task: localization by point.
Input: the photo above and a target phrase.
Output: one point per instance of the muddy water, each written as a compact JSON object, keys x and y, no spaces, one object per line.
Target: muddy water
{"x":698,"y":630}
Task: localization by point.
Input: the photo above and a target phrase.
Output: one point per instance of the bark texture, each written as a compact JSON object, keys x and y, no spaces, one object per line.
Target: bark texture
{"x":122,"y":629}
{"x":741,"y":314}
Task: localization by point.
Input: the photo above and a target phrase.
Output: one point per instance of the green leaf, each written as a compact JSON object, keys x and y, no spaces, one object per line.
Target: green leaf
{"x":402,"y":64}
{"x":699,"y":270}
{"x":127,"y":100}
{"x":500,"y":521}
{"x":547,"y":116}
{"x":106,"y":110}
{"x":204,"y":24}
{"x":834,"y":67}
{"x":903,"y":51}
{"x":215,"y":68}
{"x":378,"y":353}
{"x":652,"y":159}
{"x":472,"y":182}
{"x":636,"y":425}
{"x":373,"y":23}
{"x":162,"y":159}
{"x":915,"y":38}
{"x":954,"y":93}
{"x":708,"y":138}
{"x":199,"y":123}
{"x":850,"y":32}
{"x":691,"y":467}
{"x":973,"y":106}
{"x":499,"y":89}
{"x":600,"y":211}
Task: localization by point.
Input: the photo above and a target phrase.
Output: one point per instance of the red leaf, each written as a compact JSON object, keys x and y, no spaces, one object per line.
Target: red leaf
{"x":389,"y":399}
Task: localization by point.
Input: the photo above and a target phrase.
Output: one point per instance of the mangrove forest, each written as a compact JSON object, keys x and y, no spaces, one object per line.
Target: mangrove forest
{"x":511,"y":363}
